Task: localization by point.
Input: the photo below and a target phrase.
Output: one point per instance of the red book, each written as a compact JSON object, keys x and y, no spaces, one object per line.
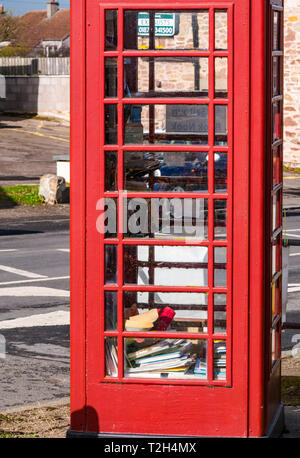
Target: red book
{"x":166,"y":315}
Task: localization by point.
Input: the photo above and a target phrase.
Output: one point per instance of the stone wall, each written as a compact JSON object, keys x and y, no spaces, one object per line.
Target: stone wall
{"x":291,"y":154}
{"x":179,"y":74}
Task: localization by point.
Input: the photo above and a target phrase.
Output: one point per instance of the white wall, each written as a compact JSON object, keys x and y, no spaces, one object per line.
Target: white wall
{"x":37,"y":94}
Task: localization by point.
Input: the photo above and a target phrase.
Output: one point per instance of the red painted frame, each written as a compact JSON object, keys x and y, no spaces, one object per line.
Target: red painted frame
{"x":126,"y":406}
{"x":78,"y":217}
{"x":264,"y":379}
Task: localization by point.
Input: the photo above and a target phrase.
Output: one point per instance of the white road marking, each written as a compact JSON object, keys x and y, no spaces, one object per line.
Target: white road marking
{"x":293,"y":230}
{"x":294,"y":254}
{"x":67,"y":250}
{"x":7,"y":250}
{"x":31,"y":291}
{"x":293,"y":287}
{"x":292,"y":235}
{"x":33,"y":281}
{"x":24,"y":273}
{"x":58,"y":318}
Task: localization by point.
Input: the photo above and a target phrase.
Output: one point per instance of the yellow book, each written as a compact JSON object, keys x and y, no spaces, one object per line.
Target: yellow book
{"x":149,"y":316}
{"x":133,"y":325}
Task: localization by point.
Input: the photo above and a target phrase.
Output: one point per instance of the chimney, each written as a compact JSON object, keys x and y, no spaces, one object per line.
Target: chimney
{"x":52,"y":8}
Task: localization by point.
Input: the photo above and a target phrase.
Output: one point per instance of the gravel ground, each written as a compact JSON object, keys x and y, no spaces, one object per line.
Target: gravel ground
{"x":43,"y":422}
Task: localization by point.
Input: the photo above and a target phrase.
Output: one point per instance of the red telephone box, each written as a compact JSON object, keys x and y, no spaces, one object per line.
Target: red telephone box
{"x":176,"y":197}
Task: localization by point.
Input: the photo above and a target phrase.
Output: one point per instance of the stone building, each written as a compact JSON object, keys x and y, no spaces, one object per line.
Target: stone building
{"x":291,"y":153}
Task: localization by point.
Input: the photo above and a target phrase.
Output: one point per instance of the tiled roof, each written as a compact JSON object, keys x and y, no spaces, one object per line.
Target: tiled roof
{"x":35,"y":27}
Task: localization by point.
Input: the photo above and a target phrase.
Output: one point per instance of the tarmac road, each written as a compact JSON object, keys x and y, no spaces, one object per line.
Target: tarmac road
{"x":27,"y":146}
{"x":34,"y":269}
{"x":34,"y":318}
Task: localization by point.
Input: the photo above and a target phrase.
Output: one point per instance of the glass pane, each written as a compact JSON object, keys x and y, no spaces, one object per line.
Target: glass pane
{"x":220,"y":301}
{"x":276,"y":211}
{"x":278,"y":304}
{"x":106,"y":222}
{"x":276,"y":255}
{"x":219,"y":359}
{"x":276,"y":76}
{"x":110,"y":264}
{"x":274,"y":259}
{"x":220,"y":219}
{"x":159,"y":311}
{"x":221,"y":33}
{"x":276,"y":166}
{"x":220,"y":174}
{"x":111,"y":310}
{"x":166,"y":76}
{"x":111,"y":27}
{"x":111,"y":162}
{"x":273,"y":291}
{"x":220,"y":267}
{"x":273,"y":346}
{"x":111,"y":124}
{"x":221,"y":125}
{"x":166,"y":265}
{"x":276,"y":31}
{"x":221,"y":77}
{"x":165,"y":358}
{"x":277,"y":121}
{"x":167,"y":218}
{"x":166,"y":30}
{"x":166,"y":171}
{"x":111,"y":357}
{"x":166,"y":124}
{"x":111,"y":82}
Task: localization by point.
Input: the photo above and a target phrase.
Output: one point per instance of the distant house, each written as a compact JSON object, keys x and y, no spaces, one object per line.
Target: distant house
{"x":46,"y":33}
{"x":52,"y":47}
{"x":4,"y":44}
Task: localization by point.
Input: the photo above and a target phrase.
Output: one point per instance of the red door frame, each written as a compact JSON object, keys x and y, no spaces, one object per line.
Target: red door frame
{"x":78,"y":216}
{"x":264,"y":380}
{"x":86,"y":399}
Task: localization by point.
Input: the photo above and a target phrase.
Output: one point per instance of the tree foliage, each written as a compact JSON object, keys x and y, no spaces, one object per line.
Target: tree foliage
{"x":9,"y":27}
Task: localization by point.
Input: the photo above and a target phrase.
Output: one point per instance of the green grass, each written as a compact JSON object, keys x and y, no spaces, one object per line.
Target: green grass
{"x":21,"y":195}
{"x":291,"y":169}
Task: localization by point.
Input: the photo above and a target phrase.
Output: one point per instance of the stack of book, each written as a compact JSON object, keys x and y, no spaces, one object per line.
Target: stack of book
{"x":200,"y":367}
{"x":219,"y":360}
{"x":168,"y":355}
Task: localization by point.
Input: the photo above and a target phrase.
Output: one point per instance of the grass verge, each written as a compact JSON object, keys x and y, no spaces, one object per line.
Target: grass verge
{"x":21,"y":195}
{"x":291,"y":169}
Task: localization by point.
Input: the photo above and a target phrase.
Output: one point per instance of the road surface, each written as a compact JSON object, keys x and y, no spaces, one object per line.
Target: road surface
{"x":34,"y":318}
